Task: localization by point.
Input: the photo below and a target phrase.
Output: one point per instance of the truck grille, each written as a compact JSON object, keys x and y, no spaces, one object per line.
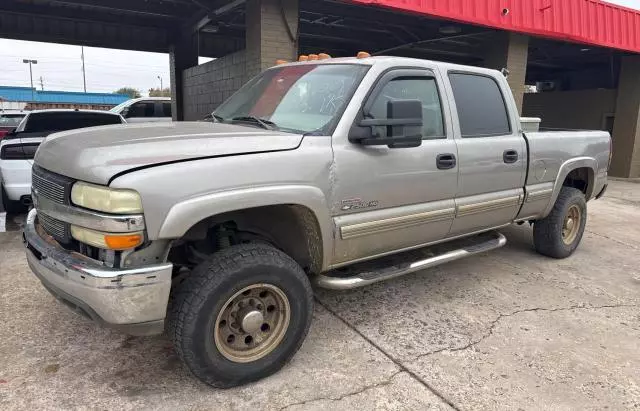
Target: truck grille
{"x":56,"y":228}
{"x":55,"y":188}
{"x":52,"y":186}
{"x":49,"y":189}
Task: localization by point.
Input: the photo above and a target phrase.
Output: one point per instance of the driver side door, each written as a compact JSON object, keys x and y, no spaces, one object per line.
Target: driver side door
{"x":390,"y":199}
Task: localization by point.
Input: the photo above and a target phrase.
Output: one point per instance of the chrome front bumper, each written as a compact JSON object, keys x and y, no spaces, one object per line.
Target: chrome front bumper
{"x":132,"y":300}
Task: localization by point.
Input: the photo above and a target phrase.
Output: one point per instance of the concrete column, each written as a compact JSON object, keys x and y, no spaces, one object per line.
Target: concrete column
{"x":271,"y":34}
{"x":183,"y":54}
{"x":510,"y":50}
{"x":626,"y":126}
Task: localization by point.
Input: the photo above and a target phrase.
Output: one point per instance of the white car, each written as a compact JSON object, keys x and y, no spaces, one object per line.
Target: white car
{"x":145,"y":109}
{"x":18,"y":148}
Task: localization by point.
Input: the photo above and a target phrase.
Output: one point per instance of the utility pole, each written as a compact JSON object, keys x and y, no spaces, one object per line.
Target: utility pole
{"x":41,"y":83}
{"x":30,"y":62}
{"x":84,"y":74}
{"x":161,"y":88}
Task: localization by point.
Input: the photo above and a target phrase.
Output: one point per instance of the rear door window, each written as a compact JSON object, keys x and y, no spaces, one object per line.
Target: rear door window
{"x":52,"y":122}
{"x":10,"y":120}
{"x":482,"y":111}
{"x":142,"y":109}
{"x":166,"y":110}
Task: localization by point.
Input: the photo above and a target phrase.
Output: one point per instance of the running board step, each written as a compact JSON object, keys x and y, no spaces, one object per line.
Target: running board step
{"x":397,"y":265}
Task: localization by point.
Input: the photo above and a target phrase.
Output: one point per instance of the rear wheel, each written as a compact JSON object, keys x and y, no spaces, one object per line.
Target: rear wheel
{"x":241,"y":315}
{"x":559,"y":234}
{"x":10,"y":206}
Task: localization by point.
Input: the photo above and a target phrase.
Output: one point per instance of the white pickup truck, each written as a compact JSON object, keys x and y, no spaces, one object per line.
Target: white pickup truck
{"x":307,"y":174}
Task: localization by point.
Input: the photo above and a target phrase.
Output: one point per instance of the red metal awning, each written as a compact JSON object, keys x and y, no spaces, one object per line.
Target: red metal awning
{"x":583,"y":21}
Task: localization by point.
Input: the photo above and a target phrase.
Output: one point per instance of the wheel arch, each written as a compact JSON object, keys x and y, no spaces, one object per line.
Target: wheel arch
{"x":578,"y":173}
{"x":283,"y":214}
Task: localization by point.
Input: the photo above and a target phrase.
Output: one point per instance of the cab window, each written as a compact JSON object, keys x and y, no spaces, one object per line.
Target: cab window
{"x":412,"y":88}
{"x":166,"y":110}
{"x":142,"y":109}
{"x":481,"y":108}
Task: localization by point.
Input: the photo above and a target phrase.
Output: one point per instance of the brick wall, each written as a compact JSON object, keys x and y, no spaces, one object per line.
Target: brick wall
{"x":581,"y":109}
{"x":45,"y":106}
{"x":206,"y":86}
{"x":270,"y":25}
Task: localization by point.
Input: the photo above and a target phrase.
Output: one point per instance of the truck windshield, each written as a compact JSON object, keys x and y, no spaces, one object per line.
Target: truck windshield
{"x":302,"y":98}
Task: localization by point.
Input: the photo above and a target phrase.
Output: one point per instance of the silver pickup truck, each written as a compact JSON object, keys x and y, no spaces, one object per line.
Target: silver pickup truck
{"x":342,"y":172}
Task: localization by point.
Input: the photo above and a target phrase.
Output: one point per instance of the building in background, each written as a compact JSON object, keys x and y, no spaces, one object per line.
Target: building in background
{"x":26,"y":98}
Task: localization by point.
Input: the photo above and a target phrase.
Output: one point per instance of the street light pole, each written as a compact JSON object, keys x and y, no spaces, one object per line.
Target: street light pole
{"x":84,"y":73}
{"x":30,"y":62}
{"x":161,"y":87}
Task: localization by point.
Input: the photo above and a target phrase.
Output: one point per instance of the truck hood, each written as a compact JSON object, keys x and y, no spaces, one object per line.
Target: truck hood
{"x":97,"y":154}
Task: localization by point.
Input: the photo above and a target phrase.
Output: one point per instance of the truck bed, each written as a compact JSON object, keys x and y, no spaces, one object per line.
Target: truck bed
{"x":553,"y":155}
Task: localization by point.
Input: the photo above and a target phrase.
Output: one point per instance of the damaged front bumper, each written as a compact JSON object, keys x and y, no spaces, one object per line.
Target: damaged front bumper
{"x":132,"y":300}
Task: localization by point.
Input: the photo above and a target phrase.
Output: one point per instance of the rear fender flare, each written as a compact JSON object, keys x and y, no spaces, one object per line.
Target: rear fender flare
{"x":566,"y":168}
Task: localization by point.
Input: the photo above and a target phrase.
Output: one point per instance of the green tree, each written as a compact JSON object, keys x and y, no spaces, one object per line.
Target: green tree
{"x":156,"y":92}
{"x":129,"y":91}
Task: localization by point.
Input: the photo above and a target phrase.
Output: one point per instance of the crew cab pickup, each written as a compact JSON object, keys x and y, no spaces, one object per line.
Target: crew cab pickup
{"x":341,"y":172}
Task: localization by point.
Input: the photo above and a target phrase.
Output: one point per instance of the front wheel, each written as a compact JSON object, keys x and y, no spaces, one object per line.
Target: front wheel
{"x":241,"y":315}
{"x":559,"y":234}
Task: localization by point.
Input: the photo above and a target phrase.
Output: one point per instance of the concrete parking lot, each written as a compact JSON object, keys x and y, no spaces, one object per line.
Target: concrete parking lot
{"x":506,"y":330}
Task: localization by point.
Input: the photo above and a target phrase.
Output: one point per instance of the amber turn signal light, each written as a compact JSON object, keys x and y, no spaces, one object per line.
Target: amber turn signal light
{"x":123,"y":242}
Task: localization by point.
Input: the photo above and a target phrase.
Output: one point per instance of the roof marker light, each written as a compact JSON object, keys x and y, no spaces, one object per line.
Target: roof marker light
{"x":363,"y":54}
{"x":313,"y":57}
{"x":303,"y":58}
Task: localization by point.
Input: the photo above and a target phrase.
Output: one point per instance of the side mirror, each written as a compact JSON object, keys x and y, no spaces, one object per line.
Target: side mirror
{"x":125,"y":112}
{"x":403,"y":126}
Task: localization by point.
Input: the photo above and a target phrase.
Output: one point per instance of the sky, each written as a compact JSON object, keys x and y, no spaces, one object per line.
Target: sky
{"x":60,"y":66}
{"x":634,"y":4}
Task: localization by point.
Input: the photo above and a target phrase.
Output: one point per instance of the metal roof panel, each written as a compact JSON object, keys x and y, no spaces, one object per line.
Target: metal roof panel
{"x":59,"y":97}
{"x":583,"y":21}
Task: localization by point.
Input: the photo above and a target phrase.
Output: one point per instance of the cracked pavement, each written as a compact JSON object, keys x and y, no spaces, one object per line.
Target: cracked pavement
{"x":504,"y":330}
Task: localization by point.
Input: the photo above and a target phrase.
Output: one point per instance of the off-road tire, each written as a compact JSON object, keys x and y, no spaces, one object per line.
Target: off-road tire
{"x":10,"y":206}
{"x":547,"y":232}
{"x":197,"y":301}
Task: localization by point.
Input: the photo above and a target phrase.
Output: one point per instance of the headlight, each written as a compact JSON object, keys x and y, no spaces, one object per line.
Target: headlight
{"x":105,"y":199}
{"x":108,"y":241}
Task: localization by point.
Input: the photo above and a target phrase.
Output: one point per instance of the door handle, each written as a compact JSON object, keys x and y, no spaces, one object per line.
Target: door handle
{"x":445,"y":161}
{"x":510,"y":156}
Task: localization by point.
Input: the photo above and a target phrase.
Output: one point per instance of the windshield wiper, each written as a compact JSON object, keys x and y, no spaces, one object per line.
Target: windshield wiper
{"x":214,"y":118}
{"x":266,"y":124}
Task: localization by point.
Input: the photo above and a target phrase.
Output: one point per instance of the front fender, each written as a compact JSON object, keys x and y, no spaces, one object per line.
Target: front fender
{"x":566,"y":168}
{"x":184,"y":215}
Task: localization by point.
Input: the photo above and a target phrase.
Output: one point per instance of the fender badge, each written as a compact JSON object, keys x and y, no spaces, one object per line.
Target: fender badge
{"x":356,"y":204}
